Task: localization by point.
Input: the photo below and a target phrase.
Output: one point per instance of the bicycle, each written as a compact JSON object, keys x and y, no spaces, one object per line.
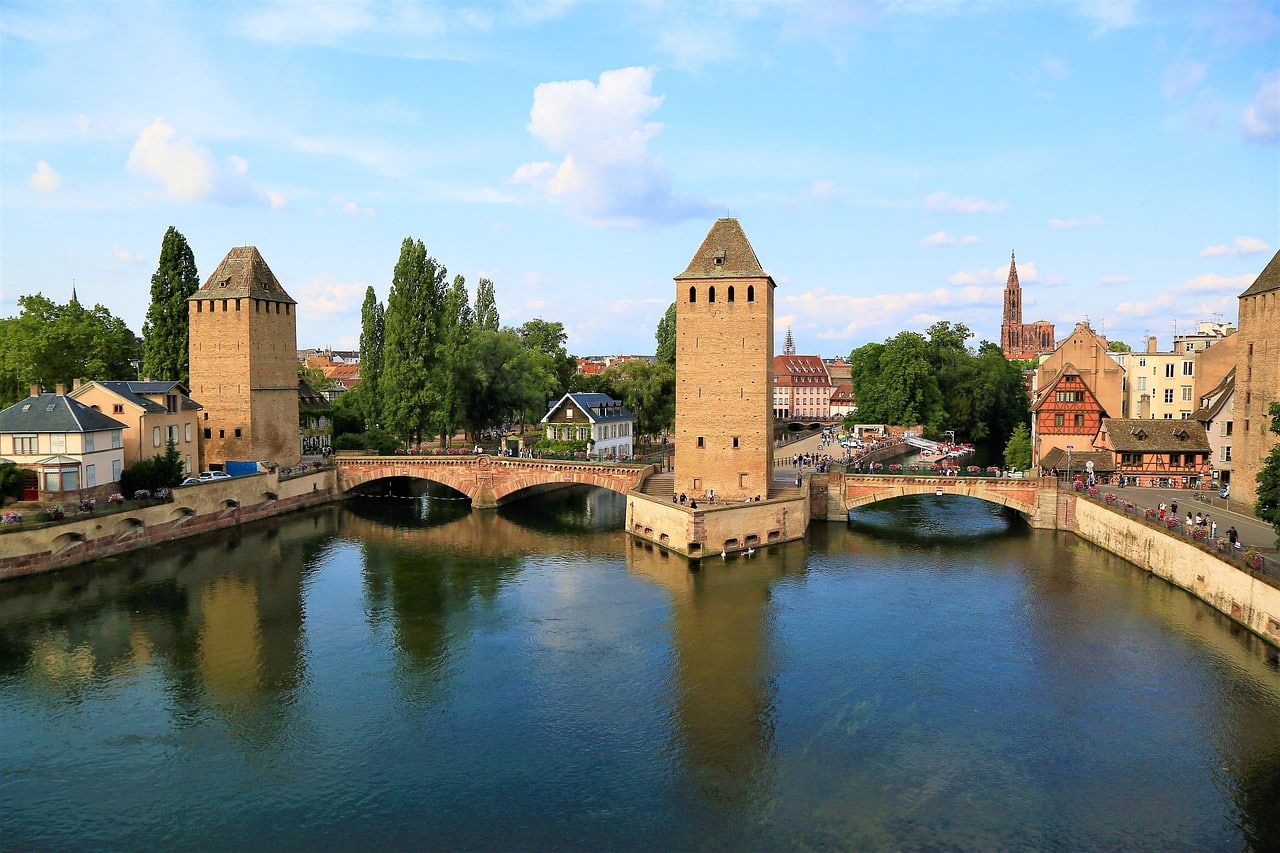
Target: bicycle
{"x":1203,"y":498}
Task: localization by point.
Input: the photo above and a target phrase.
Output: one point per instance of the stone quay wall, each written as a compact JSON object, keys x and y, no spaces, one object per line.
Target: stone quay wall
{"x":710,"y":529}
{"x":193,"y":510}
{"x":1252,"y":602}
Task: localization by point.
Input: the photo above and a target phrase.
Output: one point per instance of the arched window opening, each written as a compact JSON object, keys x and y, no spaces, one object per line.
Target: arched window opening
{"x":751,"y":293}
{"x":731,"y":293}
{"x":693,"y":294}
{"x":711,"y":294}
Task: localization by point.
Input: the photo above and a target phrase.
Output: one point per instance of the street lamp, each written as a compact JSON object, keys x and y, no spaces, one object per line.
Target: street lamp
{"x":1070,"y":447}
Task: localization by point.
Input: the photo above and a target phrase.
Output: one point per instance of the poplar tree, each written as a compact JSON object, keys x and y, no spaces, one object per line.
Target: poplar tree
{"x":372,"y":332}
{"x":165,"y":339}
{"x":666,"y":336}
{"x":486,"y":307}
{"x":411,"y":401}
{"x":454,"y":355}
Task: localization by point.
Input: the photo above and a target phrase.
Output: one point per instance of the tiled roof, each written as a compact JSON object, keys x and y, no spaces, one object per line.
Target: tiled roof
{"x":1129,"y":435}
{"x":134,"y":392}
{"x":309,"y":399}
{"x":725,"y":253}
{"x":1213,"y":402}
{"x":598,"y":407}
{"x":54,"y":413}
{"x":1268,"y":279}
{"x":1103,"y":461}
{"x":243,"y":272}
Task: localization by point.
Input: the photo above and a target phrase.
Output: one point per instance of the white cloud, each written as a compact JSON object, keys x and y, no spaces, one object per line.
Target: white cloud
{"x":1067,"y":224}
{"x":942,"y":238}
{"x":44,"y":179}
{"x":1108,"y":280}
{"x":185,"y":169}
{"x":842,"y":316}
{"x":1109,"y":14}
{"x":323,"y":295}
{"x":276,"y":200}
{"x":1243,"y":246}
{"x":1210,"y":281}
{"x":1027,"y":271}
{"x":944,"y":202}
{"x":1261,"y":119}
{"x":1182,"y":78}
{"x":607,"y":176}
{"x":124,"y":255}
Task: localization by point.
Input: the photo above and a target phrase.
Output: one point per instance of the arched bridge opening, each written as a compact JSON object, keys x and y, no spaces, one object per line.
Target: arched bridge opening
{"x":487,"y":481}
{"x":846,"y":492}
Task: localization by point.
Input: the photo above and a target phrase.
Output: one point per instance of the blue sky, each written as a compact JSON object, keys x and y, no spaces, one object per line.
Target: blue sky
{"x":884,"y":158}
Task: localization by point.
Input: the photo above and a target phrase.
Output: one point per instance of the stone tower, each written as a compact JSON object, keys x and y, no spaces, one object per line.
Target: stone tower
{"x":724,"y":366}
{"x":244,"y":367}
{"x":1257,"y":380}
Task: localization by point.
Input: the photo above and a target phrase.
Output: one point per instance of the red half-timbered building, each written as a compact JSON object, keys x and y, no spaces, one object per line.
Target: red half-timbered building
{"x":1067,"y":414}
{"x":1163,"y":453}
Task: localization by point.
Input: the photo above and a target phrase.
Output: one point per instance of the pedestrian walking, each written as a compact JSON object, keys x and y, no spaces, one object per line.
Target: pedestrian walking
{"x":1233,"y":537}
{"x":1213,"y":528}
{"x":1173,"y":507}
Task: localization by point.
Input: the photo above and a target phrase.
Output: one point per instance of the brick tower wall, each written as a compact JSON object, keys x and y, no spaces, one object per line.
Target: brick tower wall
{"x":724,"y":387}
{"x":243,"y":369}
{"x":1257,"y":386}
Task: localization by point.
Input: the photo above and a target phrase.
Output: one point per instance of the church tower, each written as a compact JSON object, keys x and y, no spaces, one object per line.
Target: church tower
{"x":1011,"y":328}
{"x":724,"y":369}
{"x":244,"y":362}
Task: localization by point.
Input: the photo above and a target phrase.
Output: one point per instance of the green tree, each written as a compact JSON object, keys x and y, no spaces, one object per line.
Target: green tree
{"x":506,"y":380}
{"x":896,"y":383}
{"x":157,"y":472}
{"x":372,"y":331}
{"x":648,"y":390}
{"x":1017,"y":453}
{"x":549,"y":338}
{"x":50,"y":344}
{"x":1119,"y":346}
{"x":666,"y":336}
{"x":10,"y":481}
{"x":1267,"y":505}
{"x":486,"y":315}
{"x":451,"y":359}
{"x":165,"y":339}
{"x":315,"y":377}
{"x":411,"y":400}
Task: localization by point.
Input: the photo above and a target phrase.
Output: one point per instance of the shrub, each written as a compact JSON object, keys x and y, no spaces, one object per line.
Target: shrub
{"x":1199,"y":534}
{"x":1173,"y":523}
{"x":54,"y":513}
{"x":88,"y":505}
{"x":1151,"y":512}
{"x":1093,"y":491}
{"x":141,"y":495}
{"x":1253,"y":558}
{"x":895,"y":468}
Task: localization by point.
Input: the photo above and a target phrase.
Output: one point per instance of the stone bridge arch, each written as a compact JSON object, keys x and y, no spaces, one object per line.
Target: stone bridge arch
{"x":491,"y":481}
{"x":1036,"y":501}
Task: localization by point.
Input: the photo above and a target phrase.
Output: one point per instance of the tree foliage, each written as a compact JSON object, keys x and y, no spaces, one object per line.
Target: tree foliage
{"x":10,"y":481}
{"x":165,"y":333}
{"x":411,"y":399}
{"x":1267,"y":504}
{"x":486,"y":306}
{"x":648,"y":390}
{"x":666,"y":335}
{"x":940,"y":383}
{"x":1017,"y":453}
{"x":157,"y":472}
{"x":549,"y":338}
{"x":372,"y":332}
{"x":1119,"y":346}
{"x":50,"y":344}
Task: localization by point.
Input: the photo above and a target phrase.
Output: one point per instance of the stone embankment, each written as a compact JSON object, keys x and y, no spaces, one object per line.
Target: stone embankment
{"x":31,"y":549}
{"x":1224,"y":586}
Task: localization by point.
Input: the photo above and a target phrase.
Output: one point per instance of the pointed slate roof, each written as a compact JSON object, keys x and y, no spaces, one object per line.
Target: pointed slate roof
{"x":243,"y":272}
{"x":54,"y":413}
{"x":1011,"y":282}
{"x":134,"y":392}
{"x":1268,"y":279}
{"x":725,"y":253}
{"x":597,"y":407}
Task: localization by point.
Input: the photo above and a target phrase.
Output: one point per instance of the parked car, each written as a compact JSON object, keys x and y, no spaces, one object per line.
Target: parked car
{"x":214,"y":475}
{"x":191,"y":481}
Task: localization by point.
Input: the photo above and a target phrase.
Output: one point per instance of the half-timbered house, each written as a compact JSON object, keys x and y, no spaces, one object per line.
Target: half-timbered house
{"x":1067,"y":414}
{"x":1162,"y":453}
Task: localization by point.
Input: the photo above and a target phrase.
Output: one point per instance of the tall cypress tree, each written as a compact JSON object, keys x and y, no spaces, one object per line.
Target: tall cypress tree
{"x":372,"y":332}
{"x":486,"y":306}
{"x":165,"y":342}
{"x":411,"y":401}
{"x":453,"y":357}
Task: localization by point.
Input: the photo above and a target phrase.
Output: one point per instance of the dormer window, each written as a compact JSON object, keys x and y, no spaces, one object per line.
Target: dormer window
{"x":718,"y":259}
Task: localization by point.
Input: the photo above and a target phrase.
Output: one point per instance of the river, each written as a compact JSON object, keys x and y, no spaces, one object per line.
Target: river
{"x":409,"y":674}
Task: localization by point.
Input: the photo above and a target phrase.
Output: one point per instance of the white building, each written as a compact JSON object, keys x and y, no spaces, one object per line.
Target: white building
{"x":602,"y":422}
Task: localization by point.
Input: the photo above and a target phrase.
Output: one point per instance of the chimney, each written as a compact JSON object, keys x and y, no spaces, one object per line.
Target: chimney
{"x":75,"y":384}
{"x":62,"y":389}
{"x":1151,"y":343}
{"x":36,"y":390}
{"x":1144,"y":402}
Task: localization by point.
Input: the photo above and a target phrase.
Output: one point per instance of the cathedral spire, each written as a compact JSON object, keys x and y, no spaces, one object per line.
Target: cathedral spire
{"x":788,"y":345}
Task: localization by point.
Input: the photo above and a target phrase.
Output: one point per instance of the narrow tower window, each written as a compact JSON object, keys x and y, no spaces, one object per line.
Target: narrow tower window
{"x":751,"y":293}
{"x":693,"y":294}
{"x":711,"y":294}
{"x":731,"y":293}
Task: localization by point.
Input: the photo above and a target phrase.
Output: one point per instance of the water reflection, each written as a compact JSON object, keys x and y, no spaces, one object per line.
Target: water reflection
{"x":407,"y":673}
